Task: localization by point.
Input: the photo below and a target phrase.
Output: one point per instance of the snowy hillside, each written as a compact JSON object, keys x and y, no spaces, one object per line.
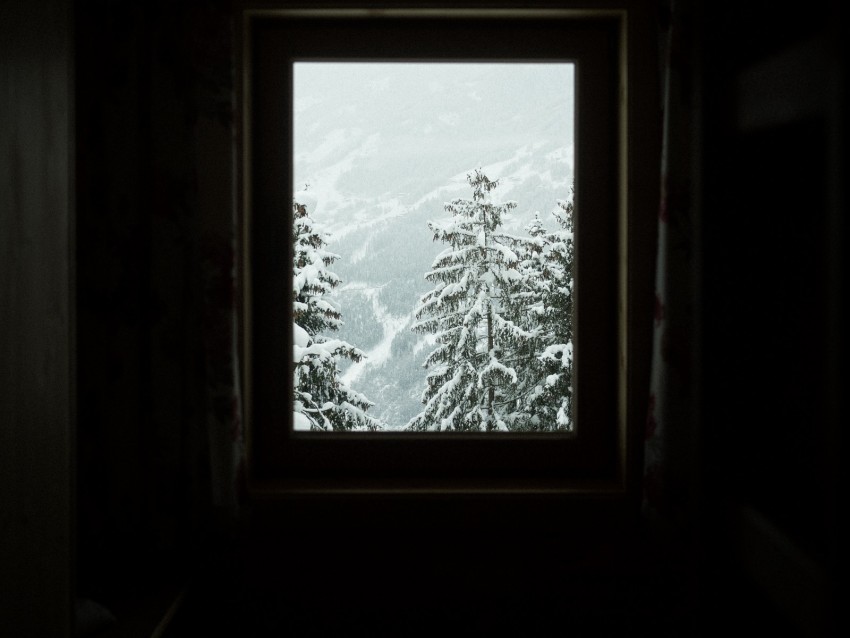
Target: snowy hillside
{"x":382,"y":147}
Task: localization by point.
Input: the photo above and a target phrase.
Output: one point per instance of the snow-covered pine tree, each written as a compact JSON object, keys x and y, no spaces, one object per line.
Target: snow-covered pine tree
{"x":525,"y":308}
{"x":547,"y":389}
{"x":321,"y":401}
{"x":468,"y":384}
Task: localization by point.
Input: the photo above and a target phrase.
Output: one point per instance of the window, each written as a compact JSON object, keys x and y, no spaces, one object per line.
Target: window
{"x":612,"y":267}
{"x":379,"y":147}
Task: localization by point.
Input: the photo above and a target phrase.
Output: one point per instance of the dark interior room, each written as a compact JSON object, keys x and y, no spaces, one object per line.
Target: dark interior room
{"x":131,"y":503}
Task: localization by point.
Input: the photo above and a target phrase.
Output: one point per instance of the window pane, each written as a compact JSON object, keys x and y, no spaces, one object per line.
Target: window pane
{"x":433,"y":246}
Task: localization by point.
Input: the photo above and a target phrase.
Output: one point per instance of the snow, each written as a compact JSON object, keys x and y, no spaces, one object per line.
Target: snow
{"x":562,"y":352}
{"x":377,"y":356}
{"x":300,"y":421}
{"x":449,"y":119}
{"x":427,"y":341}
{"x":494,"y":365}
{"x":308,"y":199}
{"x":302,"y":339}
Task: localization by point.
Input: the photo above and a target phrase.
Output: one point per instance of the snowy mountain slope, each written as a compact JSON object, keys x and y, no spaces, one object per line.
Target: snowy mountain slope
{"x":383,"y":147}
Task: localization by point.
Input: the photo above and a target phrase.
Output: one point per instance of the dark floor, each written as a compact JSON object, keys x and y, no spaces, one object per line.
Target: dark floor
{"x":420,"y":589}
{"x":581,"y":605}
{"x":304,"y":585}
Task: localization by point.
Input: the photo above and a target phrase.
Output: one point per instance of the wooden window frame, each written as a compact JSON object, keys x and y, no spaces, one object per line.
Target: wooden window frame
{"x":615,"y":230}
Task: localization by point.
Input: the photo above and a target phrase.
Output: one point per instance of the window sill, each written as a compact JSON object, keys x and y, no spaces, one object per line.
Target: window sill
{"x":432,"y":487}
{"x":522,"y":509}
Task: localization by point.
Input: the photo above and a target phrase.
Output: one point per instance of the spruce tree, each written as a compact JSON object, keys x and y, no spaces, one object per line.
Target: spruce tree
{"x":548,"y":381}
{"x":525,"y":308}
{"x":469,"y":380}
{"x":322,"y":401}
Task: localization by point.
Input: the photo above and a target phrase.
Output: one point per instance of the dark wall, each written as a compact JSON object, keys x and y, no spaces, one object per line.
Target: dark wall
{"x":771,"y":148}
{"x":36,"y":318}
{"x":154,"y":227}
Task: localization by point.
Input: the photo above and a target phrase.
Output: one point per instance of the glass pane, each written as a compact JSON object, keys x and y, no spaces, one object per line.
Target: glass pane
{"x":433,"y":246}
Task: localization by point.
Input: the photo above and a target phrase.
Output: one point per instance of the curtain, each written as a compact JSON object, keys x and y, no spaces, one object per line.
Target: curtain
{"x":220,"y":241}
{"x":670,"y":429}
{"x":160,"y":437}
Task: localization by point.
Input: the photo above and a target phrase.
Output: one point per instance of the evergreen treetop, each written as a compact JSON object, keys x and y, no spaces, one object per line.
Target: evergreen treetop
{"x":322,"y":401}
